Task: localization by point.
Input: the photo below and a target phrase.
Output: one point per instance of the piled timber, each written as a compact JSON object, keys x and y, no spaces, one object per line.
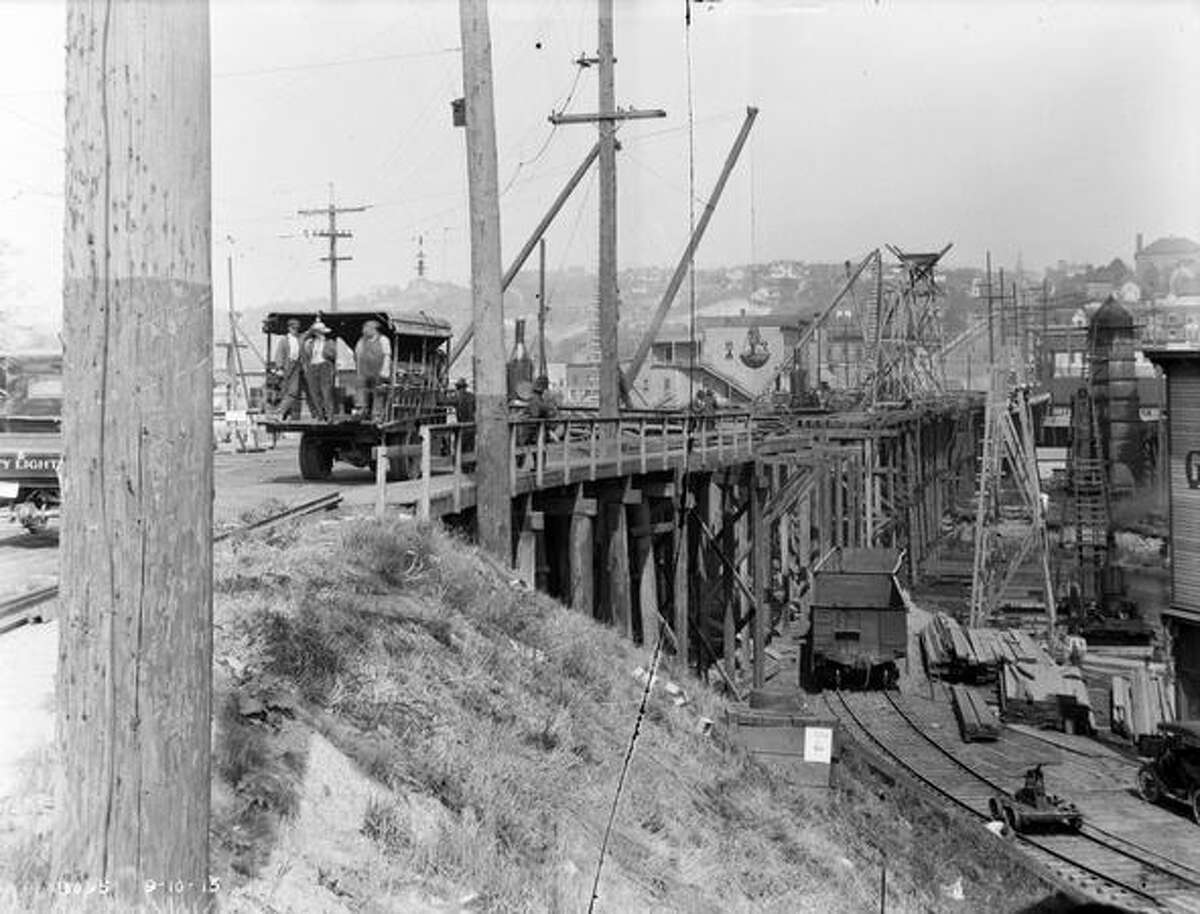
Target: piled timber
{"x":955,"y":653}
{"x":1044,"y":695}
{"x":1141,"y":694}
{"x":977,"y":721}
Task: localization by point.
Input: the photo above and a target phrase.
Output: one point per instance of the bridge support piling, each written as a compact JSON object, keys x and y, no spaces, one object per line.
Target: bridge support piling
{"x":760,"y":560}
{"x":682,"y":547}
{"x":728,"y":546}
{"x":582,"y":560}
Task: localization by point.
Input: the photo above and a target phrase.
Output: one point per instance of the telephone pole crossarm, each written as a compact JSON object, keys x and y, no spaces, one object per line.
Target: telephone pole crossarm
{"x":621,"y":114}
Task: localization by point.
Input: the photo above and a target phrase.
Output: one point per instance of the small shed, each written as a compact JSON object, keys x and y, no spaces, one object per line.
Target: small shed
{"x":859,"y":623}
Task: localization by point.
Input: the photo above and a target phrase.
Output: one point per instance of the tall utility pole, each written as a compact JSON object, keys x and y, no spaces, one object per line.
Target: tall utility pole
{"x":234,"y":367}
{"x":135,"y":642}
{"x":542,"y":307}
{"x":609,"y":367}
{"x":333,"y":234}
{"x":494,"y":496}
{"x":606,"y":119}
{"x":990,"y":317}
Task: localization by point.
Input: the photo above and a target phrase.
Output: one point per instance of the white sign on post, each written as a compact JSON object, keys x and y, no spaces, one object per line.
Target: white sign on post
{"x":818,"y":745}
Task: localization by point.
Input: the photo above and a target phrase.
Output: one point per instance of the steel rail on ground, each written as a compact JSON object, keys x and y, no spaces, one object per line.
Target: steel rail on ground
{"x":1179,"y":874}
{"x":23,"y":608}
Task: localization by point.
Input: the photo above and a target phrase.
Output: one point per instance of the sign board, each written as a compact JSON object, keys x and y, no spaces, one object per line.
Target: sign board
{"x":818,"y":745}
{"x":805,"y":745}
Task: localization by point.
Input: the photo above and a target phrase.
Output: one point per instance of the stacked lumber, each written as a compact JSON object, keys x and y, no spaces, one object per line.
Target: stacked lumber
{"x":955,"y":653}
{"x":976,"y":719}
{"x":1042,"y":694}
{"x":1141,"y":693}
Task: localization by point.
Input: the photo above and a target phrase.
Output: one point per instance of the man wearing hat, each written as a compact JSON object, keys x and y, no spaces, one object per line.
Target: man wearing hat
{"x":287,"y":359}
{"x":372,"y":357}
{"x":319,"y":356}
{"x":464,"y":411}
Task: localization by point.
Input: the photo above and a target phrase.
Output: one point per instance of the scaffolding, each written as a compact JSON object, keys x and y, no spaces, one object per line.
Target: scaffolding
{"x":907,"y":334}
{"x":1010,"y":521}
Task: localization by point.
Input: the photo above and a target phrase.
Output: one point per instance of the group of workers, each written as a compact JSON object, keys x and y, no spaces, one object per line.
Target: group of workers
{"x":307,"y":365}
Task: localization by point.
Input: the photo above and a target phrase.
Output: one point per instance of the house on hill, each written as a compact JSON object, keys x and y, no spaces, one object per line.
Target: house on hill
{"x":1158,"y":261}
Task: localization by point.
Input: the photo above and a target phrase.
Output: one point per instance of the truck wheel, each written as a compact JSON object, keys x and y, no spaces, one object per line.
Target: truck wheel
{"x":316,"y":458}
{"x":1148,"y":786}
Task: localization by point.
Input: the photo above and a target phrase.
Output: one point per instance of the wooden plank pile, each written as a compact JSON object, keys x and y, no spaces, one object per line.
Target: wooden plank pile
{"x":1042,"y":694}
{"x":1141,"y":695}
{"x":958,"y":654}
{"x":977,"y":721}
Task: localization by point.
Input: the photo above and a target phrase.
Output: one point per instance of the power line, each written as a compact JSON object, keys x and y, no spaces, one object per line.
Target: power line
{"x":325,"y":64}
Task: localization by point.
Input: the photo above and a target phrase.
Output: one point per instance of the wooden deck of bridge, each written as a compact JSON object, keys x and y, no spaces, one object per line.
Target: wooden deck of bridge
{"x":686,"y":525}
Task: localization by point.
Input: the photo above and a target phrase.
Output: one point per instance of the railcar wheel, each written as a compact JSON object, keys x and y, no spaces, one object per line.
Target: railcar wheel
{"x":1011,"y":819}
{"x":316,"y":458}
{"x":1195,"y":804}
{"x":1149,"y":788}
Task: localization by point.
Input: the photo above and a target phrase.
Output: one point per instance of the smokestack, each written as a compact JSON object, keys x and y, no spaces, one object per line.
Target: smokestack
{"x":1139,"y":244}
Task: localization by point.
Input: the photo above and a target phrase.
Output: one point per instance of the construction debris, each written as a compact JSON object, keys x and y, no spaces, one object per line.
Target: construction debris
{"x":1045,"y":695}
{"x":958,"y":654}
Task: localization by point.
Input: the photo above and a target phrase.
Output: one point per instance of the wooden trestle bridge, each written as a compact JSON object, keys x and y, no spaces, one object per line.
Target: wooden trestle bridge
{"x":679,"y":521}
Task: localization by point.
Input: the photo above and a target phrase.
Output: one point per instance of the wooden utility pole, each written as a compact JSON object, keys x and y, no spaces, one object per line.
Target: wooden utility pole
{"x":609,"y":368}
{"x":542,"y":308}
{"x":333,"y":234}
{"x":494,"y":498}
{"x":990,"y":317}
{"x":135,"y":644}
{"x":235,"y":366}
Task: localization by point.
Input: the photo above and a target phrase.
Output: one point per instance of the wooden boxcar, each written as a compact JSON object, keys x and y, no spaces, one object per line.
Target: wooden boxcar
{"x":859,"y":624}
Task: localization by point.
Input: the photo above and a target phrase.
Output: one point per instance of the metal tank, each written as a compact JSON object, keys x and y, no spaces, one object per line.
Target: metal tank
{"x":1112,"y":343}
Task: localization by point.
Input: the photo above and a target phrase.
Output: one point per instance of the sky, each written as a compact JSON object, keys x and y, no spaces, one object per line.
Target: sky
{"x":1045,"y":130}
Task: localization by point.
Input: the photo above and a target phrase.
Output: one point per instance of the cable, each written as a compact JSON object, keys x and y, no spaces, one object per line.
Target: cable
{"x":637,"y":727}
{"x":350,"y":61}
{"x":549,"y":136}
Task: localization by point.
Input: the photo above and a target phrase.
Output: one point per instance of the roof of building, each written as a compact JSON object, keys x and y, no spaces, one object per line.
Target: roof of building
{"x":1112,"y":315}
{"x":1172,"y":244}
{"x":1173,"y":355}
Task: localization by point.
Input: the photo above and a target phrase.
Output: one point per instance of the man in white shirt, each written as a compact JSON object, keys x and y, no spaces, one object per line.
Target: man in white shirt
{"x":320,"y":366}
{"x":287,"y":360}
{"x":372,"y":357}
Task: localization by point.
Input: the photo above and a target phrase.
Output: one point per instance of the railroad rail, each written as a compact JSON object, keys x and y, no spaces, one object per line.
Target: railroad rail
{"x":23,"y":609}
{"x":1093,"y":862}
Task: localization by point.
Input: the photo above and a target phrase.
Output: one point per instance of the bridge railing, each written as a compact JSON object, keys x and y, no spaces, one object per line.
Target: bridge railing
{"x":569,"y":449}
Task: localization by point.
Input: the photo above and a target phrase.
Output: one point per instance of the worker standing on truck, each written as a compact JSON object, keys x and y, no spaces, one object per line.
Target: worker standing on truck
{"x":372,"y":357}
{"x":287,"y":360}
{"x":320,"y":364}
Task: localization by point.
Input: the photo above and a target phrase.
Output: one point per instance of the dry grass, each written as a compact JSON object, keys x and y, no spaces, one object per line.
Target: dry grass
{"x":509,"y":715}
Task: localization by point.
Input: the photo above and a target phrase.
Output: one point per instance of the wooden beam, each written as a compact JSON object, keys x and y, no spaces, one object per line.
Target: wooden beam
{"x":582,"y":563}
{"x":682,"y":583}
{"x":565,"y":504}
{"x":134,"y":696}
{"x":653,"y":488}
{"x":760,"y":534}
{"x":617,"y":569}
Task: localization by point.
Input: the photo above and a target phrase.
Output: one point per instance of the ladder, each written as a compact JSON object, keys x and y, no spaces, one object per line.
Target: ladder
{"x":1089,"y":504}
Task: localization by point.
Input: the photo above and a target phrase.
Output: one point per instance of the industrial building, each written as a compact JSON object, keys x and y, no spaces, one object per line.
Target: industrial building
{"x":1182,"y":618}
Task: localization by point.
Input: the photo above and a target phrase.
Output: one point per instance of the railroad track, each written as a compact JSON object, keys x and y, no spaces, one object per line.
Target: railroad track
{"x":23,"y":609}
{"x":1093,"y":862}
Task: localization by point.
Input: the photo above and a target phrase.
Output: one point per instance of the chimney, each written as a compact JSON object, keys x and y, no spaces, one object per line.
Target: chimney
{"x":1139,"y":244}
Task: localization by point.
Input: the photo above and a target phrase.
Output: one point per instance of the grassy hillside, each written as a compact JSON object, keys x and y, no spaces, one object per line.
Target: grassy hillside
{"x":401,"y":727}
{"x":492,"y":724}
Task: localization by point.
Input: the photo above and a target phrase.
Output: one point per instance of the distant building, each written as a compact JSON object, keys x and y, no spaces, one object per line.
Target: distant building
{"x":1159,"y":261}
{"x":735,"y":356}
